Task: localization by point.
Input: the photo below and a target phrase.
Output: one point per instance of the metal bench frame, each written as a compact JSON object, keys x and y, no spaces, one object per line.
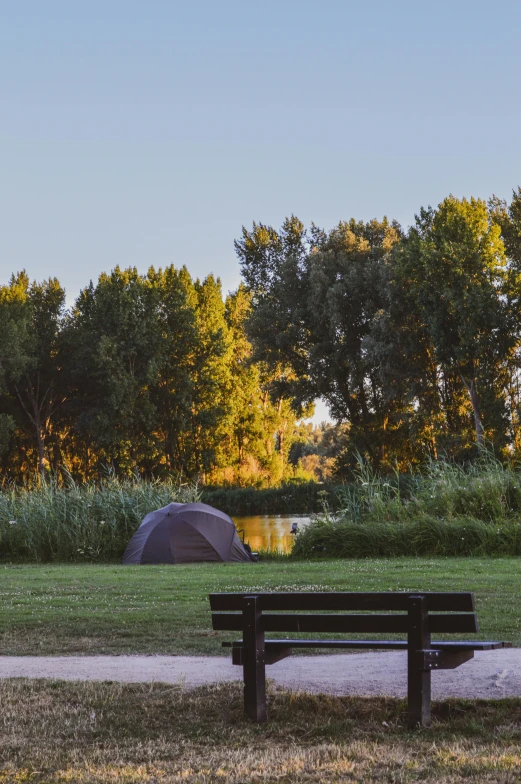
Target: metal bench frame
{"x":417,"y":615}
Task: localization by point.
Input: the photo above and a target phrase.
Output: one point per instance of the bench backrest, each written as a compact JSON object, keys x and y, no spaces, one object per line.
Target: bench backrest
{"x":387,"y":612}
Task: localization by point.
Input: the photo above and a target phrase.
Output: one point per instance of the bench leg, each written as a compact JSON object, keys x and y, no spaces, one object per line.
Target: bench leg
{"x":254,"y":662}
{"x":418,"y":676}
{"x":418,"y":693}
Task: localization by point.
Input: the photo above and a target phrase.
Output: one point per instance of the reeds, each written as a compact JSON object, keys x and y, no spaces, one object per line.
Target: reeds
{"x":79,"y":522}
{"x":447,"y":510}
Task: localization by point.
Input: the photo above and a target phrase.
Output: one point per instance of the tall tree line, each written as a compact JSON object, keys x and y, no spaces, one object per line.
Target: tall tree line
{"x":412,"y":337}
{"x":149,"y":373}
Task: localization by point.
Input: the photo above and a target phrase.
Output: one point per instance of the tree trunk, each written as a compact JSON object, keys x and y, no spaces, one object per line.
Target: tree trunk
{"x":383,"y":450}
{"x":474,"y":399}
{"x":42,"y":462}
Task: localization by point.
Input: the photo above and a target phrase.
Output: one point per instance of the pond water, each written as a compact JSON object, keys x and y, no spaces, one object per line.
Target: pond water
{"x":269,"y":532}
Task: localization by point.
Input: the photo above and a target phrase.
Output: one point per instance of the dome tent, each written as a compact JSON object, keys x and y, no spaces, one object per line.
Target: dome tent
{"x":184,"y":533}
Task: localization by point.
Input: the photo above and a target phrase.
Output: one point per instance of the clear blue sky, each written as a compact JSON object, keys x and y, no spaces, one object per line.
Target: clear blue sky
{"x":148,"y":132}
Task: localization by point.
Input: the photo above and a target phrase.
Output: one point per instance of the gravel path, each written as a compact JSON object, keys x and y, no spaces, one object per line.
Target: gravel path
{"x":489,"y":675}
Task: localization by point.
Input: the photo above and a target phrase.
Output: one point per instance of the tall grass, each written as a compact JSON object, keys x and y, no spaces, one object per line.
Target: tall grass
{"x":79,"y":521}
{"x":446,"y":510}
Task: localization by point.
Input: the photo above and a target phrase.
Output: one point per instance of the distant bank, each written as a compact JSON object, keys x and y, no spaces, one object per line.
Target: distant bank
{"x":291,"y":498}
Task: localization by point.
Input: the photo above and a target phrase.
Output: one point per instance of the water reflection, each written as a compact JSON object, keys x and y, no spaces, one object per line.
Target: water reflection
{"x":270,"y":532}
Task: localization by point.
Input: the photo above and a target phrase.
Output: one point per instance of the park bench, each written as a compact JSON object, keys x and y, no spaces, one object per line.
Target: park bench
{"x":417,"y":615}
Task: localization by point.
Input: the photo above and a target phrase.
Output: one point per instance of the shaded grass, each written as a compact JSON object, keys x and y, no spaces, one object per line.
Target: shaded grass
{"x":90,"y":733}
{"x":92,"y":608}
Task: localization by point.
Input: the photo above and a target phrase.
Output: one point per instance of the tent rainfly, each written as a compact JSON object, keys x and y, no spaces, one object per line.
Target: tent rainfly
{"x":184,"y":533}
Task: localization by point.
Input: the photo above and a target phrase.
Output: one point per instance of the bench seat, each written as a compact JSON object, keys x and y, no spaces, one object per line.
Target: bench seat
{"x":400,"y":645}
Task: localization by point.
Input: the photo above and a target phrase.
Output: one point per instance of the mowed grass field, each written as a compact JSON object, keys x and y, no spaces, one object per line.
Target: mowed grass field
{"x":110,"y":609}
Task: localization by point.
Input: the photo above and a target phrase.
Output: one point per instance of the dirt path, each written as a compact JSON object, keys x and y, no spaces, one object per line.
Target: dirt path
{"x":489,"y":675}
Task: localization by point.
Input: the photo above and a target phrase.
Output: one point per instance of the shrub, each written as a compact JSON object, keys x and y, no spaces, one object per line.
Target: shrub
{"x":447,"y":510}
{"x":290,"y":497}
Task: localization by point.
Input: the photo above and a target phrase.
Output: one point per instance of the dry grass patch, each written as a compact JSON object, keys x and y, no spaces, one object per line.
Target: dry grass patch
{"x":99,"y":732}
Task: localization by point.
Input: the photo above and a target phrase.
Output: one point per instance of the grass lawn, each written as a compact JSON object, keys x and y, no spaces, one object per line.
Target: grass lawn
{"x":52,"y":733}
{"x":87,"y":609}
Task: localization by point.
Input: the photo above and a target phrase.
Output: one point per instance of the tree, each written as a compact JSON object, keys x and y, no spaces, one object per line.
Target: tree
{"x":508,"y":217}
{"x":211,"y":380}
{"x":30,"y":317}
{"x":315,"y":297}
{"x":114,"y":343}
{"x":456,"y":267}
{"x":348,"y":292}
{"x":173,"y":392}
{"x":246,"y":427}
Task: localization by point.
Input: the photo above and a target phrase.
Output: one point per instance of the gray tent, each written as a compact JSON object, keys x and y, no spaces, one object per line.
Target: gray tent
{"x":183,"y":533}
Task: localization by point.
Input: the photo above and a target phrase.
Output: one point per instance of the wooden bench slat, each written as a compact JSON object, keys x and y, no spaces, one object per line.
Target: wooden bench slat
{"x":383,"y":601}
{"x":330,"y":624}
{"x":456,"y":645}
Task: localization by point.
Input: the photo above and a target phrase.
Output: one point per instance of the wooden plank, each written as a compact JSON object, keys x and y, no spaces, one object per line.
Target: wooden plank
{"x":455,"y":623}
{"x":345,"y":600}
{"x":254,"y":662}
{"x":457,"y":645}
{"x":333,"y":644}
{"x":469,"y":645}
{"x":393,"y":624}
{"x":348,"y":624}
{"x":418,"y":678}
{"x":275,"y":653}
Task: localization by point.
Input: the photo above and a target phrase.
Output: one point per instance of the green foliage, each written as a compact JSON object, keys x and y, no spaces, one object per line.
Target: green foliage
{"x":315,"y":296}
{"x":149,"y":373}
{"x":455,"y":264}
{"x":432,"y":536}
{"x":288,"y":498}
{"x":32,"y":387}
{"x":448,"y":510}
{"x":412,"y":338}
{"x":80,"y":521}
{"x":316,"y":449}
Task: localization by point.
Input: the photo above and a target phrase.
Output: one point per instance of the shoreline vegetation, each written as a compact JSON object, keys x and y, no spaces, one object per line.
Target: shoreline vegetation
{"x":289,"y":498}
{"x":446,"y":510}
{"x":164,"y":374}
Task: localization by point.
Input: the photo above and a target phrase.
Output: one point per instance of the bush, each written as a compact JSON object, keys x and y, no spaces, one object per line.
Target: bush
{"x":426,"y":536}
{"x":448,"y":510}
